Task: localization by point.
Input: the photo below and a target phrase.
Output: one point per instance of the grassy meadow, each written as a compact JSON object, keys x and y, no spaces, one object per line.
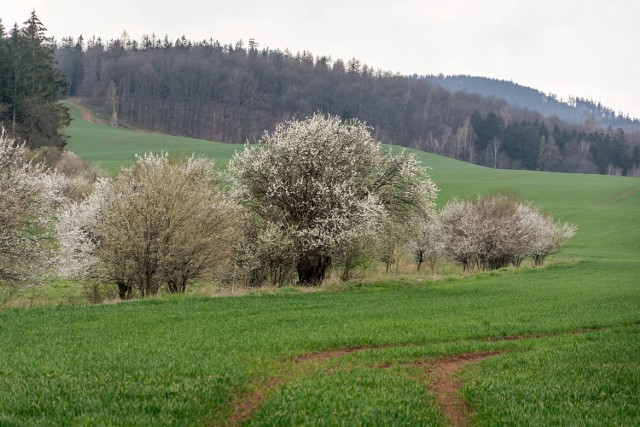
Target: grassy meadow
{"x":566,"y":337}
{"x":113,"y":147}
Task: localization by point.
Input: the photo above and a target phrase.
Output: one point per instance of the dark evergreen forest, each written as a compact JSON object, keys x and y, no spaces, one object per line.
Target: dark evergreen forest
{"x":233,"y":93}
{"x":31,"y":86}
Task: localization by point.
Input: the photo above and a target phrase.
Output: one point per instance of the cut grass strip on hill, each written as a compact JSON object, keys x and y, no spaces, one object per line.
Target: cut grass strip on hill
{"x":114,"y":147}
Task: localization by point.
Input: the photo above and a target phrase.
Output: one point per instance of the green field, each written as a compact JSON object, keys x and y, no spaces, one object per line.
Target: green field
{"x":564,"y":339}
{"x":113,"y":147}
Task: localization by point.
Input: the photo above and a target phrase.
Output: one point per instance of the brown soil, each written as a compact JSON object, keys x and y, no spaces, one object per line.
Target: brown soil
{"x":441,"y":373}
{"x":445,"y":386}
{"x":87,"y":114}
{"x":249,"y":403}
{"x":628,"y":195}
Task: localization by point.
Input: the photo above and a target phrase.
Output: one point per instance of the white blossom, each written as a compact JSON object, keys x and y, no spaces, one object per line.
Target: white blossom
{"x":428,"y":241}
{"x":161,"y":222}
{"x":494,"y":231}
{"x":326,"y":182}
{"x":78,"y":234}
{"x":28,"y":197}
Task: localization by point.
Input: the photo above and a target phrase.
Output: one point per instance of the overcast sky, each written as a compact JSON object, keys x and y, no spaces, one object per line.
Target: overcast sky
{"x":587,"y":48}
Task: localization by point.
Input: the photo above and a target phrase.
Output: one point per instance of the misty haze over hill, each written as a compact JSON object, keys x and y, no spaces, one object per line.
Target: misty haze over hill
{"x":575,"y":110}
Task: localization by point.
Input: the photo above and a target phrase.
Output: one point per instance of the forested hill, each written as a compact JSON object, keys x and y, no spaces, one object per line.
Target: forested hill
{"x":233,"y":93}
{"x":575,"y":110}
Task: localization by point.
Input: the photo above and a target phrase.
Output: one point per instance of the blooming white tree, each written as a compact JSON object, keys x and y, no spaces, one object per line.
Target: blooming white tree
{"x":495,"y":231}
{"x":460,"y":226}
{"x":79,"y":235}
{"x":161,"y":222}
{"x":323,"y":182}
{"x":544,"y":234}
{"x":28,"y":198}
{"x":428,"y":242}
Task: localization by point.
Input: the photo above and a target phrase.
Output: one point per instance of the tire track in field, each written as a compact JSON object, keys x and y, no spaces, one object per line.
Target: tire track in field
{"x":441,"y":373}
{"x":445,"y":386}
{"x":618,"y":197}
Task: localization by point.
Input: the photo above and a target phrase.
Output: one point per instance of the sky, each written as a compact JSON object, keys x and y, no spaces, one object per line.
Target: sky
{"x":586,"y":48}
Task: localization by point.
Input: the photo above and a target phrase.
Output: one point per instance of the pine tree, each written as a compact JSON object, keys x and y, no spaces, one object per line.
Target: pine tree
{"x":31,"y":87}
{"x":4,"y":72}
{"x":550,"y":157}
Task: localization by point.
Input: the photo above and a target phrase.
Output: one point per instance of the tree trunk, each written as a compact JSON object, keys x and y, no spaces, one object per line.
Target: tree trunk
{"x":311,"y":269}
{"x":432,"y":265}
{"x":538,"y":260}
{"x":418,"y":256}
{"x":124,"y":290}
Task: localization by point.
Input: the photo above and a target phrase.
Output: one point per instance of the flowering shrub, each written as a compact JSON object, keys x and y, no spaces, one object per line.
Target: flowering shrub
{"x":161,"y":222}
{"x":28,"y":199}
{"x":428,"y":242}
{"x":494,"y":231}
{"x":323,"y":183}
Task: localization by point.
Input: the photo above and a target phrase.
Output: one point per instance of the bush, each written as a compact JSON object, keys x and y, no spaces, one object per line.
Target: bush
{"x":492,"y":232}
{"x":319,"y":183}
{"x":28,"y":199}
{"x":161,"y":222}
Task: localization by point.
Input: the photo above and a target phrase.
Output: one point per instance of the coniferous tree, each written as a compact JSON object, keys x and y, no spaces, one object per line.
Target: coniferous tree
{"x":31,"y":86}
{"x":4,"y":71}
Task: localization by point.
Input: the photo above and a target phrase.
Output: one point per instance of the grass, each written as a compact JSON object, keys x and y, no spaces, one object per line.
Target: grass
{"x":181,"y":360}
{"x":362,"y":396}
{"x":113,"y":147}
{"x":189,"y":360}
{"x":591,"y":381}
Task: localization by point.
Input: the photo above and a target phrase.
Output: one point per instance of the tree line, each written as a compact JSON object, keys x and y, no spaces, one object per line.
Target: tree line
{"x":233,"y":93}
{"x":574,"y":110}
{"x":316,"y":194}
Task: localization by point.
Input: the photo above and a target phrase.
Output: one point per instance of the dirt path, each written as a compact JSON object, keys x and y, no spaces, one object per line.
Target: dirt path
{"x":249,"y":403}
{"x":442,"y":383}
{"x":441,"y":373}
{"x":87,"y":114}
{"x":446,"y":387}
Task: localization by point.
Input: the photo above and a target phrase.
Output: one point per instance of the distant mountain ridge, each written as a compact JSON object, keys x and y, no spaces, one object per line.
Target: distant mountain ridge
{"x":575,"y":110}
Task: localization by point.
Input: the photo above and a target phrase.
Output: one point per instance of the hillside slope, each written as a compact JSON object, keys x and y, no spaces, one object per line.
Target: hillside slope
{"x":576,"y":111}
{"x":232,"y":94}
{"x":113,"y":147}
{"x":604,"y":207}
